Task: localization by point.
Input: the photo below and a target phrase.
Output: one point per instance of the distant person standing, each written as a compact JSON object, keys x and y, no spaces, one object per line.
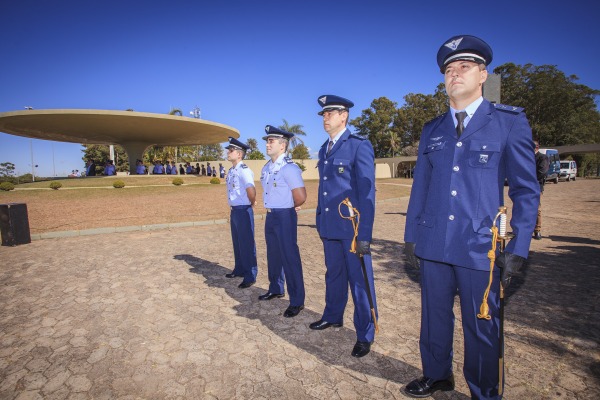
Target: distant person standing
{"x":158,"y":168}
{"x":181,"y":170}
{"x":140,"y":168}
{"x":283,"y":191}
{"x":208,"y":169}
{"x":90,"y":168}
{"x":173,"y":168}
{"x":241,"y":195}
{"x":541,"y":168}
{"x":221,"y":171}
{"x":168,"y":168}
{"x":109,"y":168}
{"x":346,"y":170}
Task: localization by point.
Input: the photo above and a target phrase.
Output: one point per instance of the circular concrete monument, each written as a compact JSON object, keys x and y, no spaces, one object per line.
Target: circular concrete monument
{"x":135,"y":131}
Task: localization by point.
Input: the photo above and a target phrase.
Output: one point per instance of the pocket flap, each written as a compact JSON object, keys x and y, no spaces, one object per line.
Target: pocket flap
{"x":483,"y":226}
{"x":484,"y":145}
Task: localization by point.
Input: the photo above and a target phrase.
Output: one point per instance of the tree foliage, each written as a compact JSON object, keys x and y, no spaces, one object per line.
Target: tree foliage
{"x":253,"y":152}
{"x":295,"y":141}
{"x":100,"y":153}
{"x":393,"y":130}
{"x":560,"y":111}
{"x":7,"y":169}
{"x":300,"y":152}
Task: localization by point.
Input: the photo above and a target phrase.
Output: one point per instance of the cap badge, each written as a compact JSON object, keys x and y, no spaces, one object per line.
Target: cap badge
{"x":453,"y":45}
{"x":323,"y":100}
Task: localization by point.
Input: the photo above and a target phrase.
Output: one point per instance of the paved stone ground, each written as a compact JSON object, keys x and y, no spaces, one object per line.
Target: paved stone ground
{"x":149,"y":314}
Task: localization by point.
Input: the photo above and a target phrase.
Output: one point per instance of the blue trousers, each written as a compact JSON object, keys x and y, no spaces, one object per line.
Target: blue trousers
{"x":283,"y":255}
{"x":439,"y":284}
{"x":343,"y":270}
{"x":244,"y":248}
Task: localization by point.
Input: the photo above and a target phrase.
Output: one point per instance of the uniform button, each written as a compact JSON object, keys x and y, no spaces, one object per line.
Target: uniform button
{"x":451,"y":218}
{"x":324,"y":193}
{"x":453,"y":193}
{"x":324,"y":178}
{"x":484,"y":147}
{"x":327,"y":209}
{"x":459,"y":144}
{"x":456,"y":168}
{"x":325,"y":162}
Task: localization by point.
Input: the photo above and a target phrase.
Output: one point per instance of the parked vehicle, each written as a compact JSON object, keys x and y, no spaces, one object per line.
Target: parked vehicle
{"x":568,"y":170}
{"x":553,"y":164}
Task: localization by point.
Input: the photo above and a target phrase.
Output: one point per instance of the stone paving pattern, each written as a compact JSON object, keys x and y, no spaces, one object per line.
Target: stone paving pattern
{"x":150,"y":315}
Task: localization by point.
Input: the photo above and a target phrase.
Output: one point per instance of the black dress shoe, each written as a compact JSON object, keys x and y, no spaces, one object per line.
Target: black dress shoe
{"x":245,"y":285}
{"x":232,"y":275}
{"x":270,"y":296}
{"x":361,"y":349}
{"x":425,"y":387}
{"x":537,"y":235}
{"x":292,"y":311}
{"x":320,"y":325}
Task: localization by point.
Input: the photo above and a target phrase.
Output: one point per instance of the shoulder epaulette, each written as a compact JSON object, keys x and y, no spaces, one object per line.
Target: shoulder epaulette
{"x":243,"y":166}
{"x":511,"y":109}
{"x":434,"y":119}
{"x":288,"y":160}
{"x":357,"y":136}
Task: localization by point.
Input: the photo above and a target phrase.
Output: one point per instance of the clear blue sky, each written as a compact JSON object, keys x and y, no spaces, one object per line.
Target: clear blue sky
{"x":251,"y":63}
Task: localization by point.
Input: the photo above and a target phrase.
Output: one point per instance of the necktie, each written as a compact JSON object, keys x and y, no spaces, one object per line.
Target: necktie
{"x":329,"y":146}
{"x":460,"y":118}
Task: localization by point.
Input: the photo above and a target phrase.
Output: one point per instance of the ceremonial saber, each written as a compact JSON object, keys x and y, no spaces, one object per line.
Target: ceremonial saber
{"x":362,"y":262}
{"x":502,"y":238}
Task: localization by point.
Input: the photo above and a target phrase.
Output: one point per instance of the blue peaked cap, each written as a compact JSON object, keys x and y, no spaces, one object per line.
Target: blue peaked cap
{"x":276,"y":132}
{"x":235,"y":144}
{"x":332,"y":102}
{"x":464,"y":47}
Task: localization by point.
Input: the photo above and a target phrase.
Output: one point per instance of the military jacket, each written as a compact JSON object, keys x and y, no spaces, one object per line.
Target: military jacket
{"x":459,"y":185}
{"x":348,"y":171}
{"x":278,"y":179}
{"x":238,"y":180}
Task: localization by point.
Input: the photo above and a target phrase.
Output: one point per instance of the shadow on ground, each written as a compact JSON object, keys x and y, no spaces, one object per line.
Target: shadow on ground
{"x":330,"y":346}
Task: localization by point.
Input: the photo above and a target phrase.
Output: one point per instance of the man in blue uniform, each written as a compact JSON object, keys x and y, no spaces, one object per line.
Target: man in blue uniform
{"x":241,"y":195}
{"x":173,"y":168}
{"x":346,"y":170}
{"x":283,"y":191}
{"x":464,"y":157}
{"x":140,"y":168}
{"x":90,"y":168}
{"x":158,"y":168}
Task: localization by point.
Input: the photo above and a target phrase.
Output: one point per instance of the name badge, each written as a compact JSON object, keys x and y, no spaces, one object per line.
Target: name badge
{"x":341,"y":170}
{"x":483,"y":158}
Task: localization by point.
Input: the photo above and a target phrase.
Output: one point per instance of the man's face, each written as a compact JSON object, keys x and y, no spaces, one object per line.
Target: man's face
{"x":233,"y":155}
{"x":275,"y":147}
{"x":464,"y":80}
{"x":334,"y":121}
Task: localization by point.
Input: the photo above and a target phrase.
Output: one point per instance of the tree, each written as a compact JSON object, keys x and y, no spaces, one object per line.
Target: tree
{"x":377,"y":124}
{"x":560,"y":111}
{"x":7,"y":169}
{"x":253,"y":153}
{"x":418,"y":109}
{"x":210,"y":152}
{"x":300,"y":152}
{"x":295,"y":141}
{"x":100,"y":154}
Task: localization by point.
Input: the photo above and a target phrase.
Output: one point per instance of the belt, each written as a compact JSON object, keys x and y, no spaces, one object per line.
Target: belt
{"x":240,"y":207}
{"x":270,"y":210}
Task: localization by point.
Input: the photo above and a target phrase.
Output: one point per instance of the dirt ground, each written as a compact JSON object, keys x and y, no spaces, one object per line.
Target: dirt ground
{"x":158,"y":202}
